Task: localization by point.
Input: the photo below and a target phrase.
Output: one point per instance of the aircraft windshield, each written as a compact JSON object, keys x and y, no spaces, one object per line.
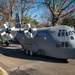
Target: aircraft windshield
{"x":71,"y":32}
{"x":65,"y":33}
{"x":62,"y":33}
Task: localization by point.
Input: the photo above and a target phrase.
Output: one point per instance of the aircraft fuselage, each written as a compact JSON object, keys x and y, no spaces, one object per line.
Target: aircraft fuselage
{"x":58,"y":42}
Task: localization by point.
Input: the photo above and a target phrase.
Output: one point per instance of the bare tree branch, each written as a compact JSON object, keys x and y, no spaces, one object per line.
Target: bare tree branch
{"x":55,"y":5}
{"x":67,"y":5}
{"x":49,"y":6}
{"x":67,"y":13}
{"x":62,"y":5}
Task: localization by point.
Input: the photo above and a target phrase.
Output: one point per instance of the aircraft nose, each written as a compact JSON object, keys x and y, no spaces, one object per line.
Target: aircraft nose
{"x":72,"y":53}
{"x":72,"y":44}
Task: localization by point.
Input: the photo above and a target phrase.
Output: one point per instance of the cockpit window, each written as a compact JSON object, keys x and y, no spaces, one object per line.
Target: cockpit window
{"x":59,"y":33}
{"x":71,"y":37}
{"x":70,"y":33}
{"x":66,"y":34}
{"x":73,"y":32}
{"x":62,"y":33}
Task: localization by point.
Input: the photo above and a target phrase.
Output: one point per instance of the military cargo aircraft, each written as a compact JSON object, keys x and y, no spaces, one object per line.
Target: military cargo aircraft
{"x":54,"y":41}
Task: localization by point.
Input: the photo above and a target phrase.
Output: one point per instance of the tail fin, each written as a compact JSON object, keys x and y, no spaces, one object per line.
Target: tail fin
{"x":18,"y":25}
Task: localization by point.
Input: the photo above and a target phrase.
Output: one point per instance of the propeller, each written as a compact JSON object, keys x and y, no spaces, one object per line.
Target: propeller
{"x":9,"y":31}
{"x":31,"y":30}
{"x":6,"y":31}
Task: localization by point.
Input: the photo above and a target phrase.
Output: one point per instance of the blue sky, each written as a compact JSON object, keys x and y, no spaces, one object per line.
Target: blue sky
{"x":36,"y":12}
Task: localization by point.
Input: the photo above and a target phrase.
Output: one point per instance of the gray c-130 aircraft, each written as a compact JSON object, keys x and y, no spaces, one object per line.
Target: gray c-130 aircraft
{"x":54,"y":41}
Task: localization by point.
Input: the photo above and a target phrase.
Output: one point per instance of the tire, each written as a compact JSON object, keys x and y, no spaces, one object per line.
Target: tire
{"x":7,"y":43}
{"x":31,"y":53}
{"x":27,"y":52}
{"x":65,"y":59}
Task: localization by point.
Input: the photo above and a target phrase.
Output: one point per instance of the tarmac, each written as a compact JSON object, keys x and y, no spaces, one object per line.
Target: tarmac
{"x":15,"y":62}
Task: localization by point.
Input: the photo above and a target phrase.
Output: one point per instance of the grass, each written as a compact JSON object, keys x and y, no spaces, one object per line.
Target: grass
{"x":1,"y":72}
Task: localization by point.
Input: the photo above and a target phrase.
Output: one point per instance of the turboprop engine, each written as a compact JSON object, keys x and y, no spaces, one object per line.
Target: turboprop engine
{"x":9,"y":31}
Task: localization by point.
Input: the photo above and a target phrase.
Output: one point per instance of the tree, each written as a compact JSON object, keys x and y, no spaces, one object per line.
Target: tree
{"x":68,"y":21}
{"x":29,"y":20}
{"x":24,"y":6}
{"x":3,"y":14}
{"x":35,"y":22}
{"x":59,"y":8}
{"x":9,"y":7}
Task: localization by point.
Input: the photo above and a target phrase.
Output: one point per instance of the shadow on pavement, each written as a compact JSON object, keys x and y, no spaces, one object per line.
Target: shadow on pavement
{"x":18,"y":53}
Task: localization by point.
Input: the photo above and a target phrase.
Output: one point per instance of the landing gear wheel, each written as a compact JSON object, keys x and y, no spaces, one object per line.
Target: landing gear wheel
{"x":26,"y":52}
{"x":65,"y":59}
{"x":31,"y":53}
{"x":7,"y":43}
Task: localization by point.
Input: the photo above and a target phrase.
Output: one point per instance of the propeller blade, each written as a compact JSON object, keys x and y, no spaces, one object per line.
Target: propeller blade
{"x":11,"y":36}
{"x":29,"y":25}
{"x":31,"y":35}
{"x":5,"y":26}
{"x":12,"y":29}
{"x":34,"y":29}
{"x":30,"y":31}
{"x":3,"y":33}
{"x":26,"y":31}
